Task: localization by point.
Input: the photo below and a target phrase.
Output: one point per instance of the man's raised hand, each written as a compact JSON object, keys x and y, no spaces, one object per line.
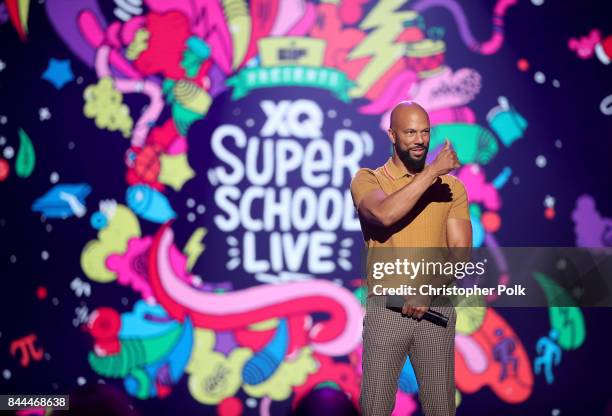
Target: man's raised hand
{"x":446,"y":161}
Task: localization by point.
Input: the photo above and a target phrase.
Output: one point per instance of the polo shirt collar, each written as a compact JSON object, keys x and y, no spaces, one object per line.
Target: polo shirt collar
{"x":395,"y":172}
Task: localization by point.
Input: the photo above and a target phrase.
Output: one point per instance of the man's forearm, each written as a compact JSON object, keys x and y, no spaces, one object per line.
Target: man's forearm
{"x":398,"y":204}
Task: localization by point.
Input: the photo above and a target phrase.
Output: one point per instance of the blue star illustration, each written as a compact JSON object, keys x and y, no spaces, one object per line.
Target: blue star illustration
{"x":58,"y":72}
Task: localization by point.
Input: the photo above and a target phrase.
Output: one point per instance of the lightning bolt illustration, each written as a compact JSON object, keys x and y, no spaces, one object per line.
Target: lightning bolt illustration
{"x":385,"y":23}
{"x":194,"y":246}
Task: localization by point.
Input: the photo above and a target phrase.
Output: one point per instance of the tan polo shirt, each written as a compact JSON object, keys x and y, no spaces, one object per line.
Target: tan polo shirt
{"x":425,"y":225}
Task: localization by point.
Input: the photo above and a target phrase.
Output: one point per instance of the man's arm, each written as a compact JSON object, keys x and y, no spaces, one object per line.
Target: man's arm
{"x":385,"y":210}
{"x":458,"y":224}
{"x":458,"y":233}
{"x":459,"y":242}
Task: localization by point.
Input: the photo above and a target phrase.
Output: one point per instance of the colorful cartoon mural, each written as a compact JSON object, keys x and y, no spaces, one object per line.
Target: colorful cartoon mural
{"x":236,"y":127}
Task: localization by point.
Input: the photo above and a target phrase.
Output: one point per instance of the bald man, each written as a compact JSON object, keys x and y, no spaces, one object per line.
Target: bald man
{"x":407,"y":203}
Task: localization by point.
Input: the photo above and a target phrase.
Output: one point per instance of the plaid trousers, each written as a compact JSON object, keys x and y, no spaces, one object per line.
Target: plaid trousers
{"x":388,"y":337}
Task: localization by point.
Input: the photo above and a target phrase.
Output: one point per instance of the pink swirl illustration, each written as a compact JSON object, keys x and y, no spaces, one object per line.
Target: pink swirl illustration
{"x":488,"y":47}
{"x":339,"y":335}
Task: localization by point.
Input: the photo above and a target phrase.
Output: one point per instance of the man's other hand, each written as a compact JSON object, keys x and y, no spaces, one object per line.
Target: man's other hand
{"x":416,"y":306}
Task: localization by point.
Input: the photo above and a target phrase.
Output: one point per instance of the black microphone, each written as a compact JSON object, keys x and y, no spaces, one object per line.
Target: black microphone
{"x":396,"y":304}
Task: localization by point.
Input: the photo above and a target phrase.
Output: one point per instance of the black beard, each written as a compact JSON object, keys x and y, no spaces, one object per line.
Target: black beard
{"x":412,"y":164}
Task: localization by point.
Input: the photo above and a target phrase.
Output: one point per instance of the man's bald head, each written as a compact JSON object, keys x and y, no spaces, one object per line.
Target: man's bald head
{"x":403,"y":110}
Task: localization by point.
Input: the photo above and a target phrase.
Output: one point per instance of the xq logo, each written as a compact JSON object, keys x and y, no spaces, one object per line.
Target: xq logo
{"x":301,"y":118}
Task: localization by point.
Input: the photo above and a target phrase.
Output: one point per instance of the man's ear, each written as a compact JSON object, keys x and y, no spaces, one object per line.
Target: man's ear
{"x":391,"y":135}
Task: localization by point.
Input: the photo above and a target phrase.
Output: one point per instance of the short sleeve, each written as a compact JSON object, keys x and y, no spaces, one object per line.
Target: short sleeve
{"x":363,"y":182}
{"x":459,"y":207}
